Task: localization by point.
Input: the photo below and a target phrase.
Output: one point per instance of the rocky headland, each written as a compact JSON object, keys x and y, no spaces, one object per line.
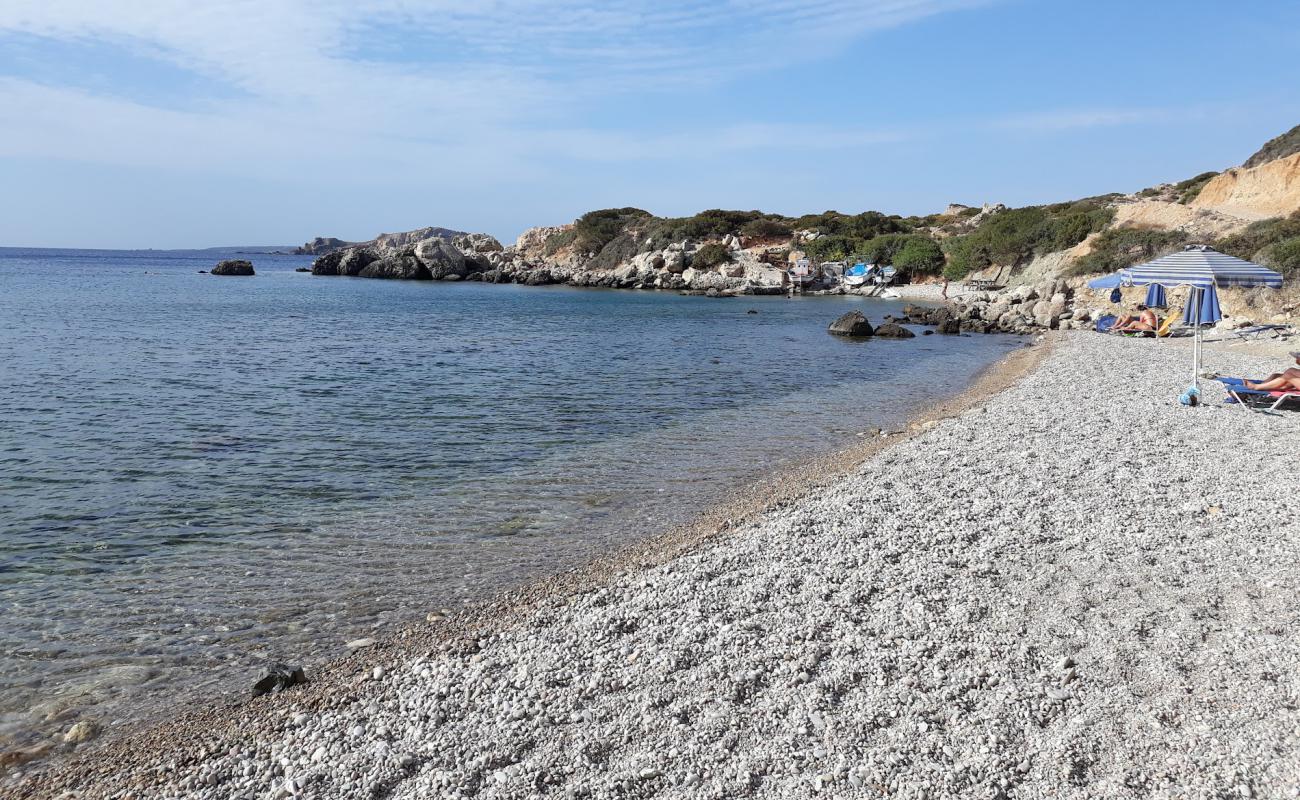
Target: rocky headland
{"x":1038,"y":257}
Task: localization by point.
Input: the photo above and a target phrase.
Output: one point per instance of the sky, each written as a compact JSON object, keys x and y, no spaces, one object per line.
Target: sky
{"x":182,"y":124}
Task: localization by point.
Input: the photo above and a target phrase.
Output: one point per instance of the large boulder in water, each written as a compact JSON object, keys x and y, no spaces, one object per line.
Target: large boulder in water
{"x":892,"y":330}
{"x":233,"y":266}
{"x":441,"y":259}
{"x":402,"y":266}
{"x":854,"y":323}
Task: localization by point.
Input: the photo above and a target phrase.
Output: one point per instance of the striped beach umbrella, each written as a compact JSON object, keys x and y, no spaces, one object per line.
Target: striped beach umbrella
{"x":1203,"y":270}
{"x":1156,"y":296}
{"x":1200,"y":267}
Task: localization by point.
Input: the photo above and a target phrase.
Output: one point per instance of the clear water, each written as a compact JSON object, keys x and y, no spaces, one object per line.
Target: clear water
{"x":201,"y":473}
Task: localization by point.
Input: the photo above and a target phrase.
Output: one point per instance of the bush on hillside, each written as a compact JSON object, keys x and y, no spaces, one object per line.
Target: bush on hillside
{"x":710,"y":256}
{"x":1016,"y":235}
{"x":908,"y":252}
{"x":1118,"y":248}
{"x":595,"y":229}
{"x":832,"y":248}
{"x":1188,"y":190}
{"x":766,"y":228}
{"x":1259,"y":235}
{"x":965,"y":255}
{"x":919,"y":255}
{"x":1283,"y":256}
{"x":866,"y":225}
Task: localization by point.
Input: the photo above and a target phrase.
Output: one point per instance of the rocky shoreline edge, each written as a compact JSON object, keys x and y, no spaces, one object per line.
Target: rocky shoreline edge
{"x":1057,"y":586}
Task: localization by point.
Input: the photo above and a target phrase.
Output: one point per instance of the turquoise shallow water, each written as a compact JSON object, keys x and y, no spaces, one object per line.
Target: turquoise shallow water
{"x":201,"y":473}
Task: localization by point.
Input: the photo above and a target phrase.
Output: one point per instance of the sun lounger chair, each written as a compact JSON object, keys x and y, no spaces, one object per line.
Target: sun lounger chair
{"x":1259,"y":400}
{"x":1255,"y":332}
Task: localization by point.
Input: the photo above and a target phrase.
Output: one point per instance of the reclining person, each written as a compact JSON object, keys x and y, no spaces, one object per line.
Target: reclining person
{"x":1145,"y":322}
{"x":1286,"y":381}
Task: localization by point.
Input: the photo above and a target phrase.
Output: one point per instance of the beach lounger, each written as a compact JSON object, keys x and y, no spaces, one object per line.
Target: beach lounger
{"x":1255,"y":332}
{"x":1258,"y":400}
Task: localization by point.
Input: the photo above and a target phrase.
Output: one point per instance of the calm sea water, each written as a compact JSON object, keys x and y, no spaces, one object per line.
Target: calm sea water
{"x":198,"y":474}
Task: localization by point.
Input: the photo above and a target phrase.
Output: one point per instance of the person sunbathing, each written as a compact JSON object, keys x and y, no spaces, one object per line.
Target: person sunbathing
{"x":1145,"y":321}
{"x":1285,"y":381}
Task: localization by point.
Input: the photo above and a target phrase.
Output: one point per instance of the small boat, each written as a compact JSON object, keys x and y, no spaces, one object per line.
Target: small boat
{"x":855,"y":275}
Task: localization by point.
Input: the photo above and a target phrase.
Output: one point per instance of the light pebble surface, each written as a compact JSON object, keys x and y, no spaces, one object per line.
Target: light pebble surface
{"x":1077,"y":589}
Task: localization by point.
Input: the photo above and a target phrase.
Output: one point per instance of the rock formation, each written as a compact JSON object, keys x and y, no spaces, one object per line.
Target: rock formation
{"x":233,"y":266}
{"x":853,"y":323}
{"x":323,"y":245}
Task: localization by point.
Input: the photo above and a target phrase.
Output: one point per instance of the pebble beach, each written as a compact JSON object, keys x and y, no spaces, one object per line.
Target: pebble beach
{"x":1071,"y":587}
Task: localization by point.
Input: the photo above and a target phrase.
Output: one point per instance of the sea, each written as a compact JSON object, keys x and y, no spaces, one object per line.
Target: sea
{"x":201,"y":475}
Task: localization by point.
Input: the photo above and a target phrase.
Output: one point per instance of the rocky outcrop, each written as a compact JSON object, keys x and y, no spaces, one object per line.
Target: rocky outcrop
{"x":323,"y":245}
{"x":853,"y":323}
{"x":233,"y":266}
{"x":892,"y":330}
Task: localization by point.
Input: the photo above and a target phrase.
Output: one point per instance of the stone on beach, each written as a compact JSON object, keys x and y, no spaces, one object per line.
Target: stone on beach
{"x":279,"y":677}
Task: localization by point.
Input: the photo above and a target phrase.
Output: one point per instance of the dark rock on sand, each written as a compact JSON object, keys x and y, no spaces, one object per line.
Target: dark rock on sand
{"x":233,"y":266}
{"x":854,"y":323}
{"x":892,"y":330}
{"x":278,"y":678}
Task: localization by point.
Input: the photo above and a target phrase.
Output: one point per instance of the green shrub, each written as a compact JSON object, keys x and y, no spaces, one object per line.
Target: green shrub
{"x":595,"y":229}
{"x":1118,"y":248}
{"x":866,"y":225}
{"x":919,"y":255}
{"x":965,"y":255}
{"x":1188,"y":190}
{"x":710,"y":255}
{"x":1283,"y":256}
{"x":558,"y":241}
{"x":1259,"y":235}
{"x":832,"y":248}
{"x":908,"y":252}
{"x":766,"y":228}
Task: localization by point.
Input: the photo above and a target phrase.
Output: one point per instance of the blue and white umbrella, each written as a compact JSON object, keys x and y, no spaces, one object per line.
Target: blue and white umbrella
{"x":1200,"y":267}
{"x":1203,"y":270}
{"x":1156,"y":296}
{"x":1202,"y":307}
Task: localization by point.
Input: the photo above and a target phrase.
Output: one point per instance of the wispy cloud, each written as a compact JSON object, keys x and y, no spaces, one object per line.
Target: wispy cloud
{"x":355,"y":84}
{"x":1056,"y":120}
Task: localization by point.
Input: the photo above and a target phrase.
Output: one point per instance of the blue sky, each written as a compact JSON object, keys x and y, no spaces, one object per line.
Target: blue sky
{"x":126,"y":124}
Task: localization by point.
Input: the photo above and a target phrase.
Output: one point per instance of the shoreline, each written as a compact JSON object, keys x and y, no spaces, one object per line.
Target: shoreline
{"x":1043,"y":589}
{"x":511,"y":606}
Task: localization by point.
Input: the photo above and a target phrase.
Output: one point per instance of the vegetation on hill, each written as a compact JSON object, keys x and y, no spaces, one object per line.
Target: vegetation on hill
{"x":710,"y":255}
{"x":1016,"y":235}
{"x":1186,"y":191}
{"x":1118,"y":248}
{"x":1278,"y":147}
{"x":1275,"y":243}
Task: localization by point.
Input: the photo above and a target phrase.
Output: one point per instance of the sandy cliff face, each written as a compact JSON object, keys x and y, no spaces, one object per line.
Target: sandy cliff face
{"x":1267,"y":190}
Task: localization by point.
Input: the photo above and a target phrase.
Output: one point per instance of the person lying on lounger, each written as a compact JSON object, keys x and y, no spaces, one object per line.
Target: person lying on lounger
{"x":1145,"y":321}
{"x":1285,"y":381}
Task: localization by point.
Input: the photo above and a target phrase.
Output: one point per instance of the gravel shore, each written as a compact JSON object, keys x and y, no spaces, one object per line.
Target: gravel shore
{"x":1076,"y":589}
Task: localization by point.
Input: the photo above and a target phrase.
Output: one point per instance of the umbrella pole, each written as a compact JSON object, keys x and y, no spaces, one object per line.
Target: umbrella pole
{"x":1196,"y":343}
